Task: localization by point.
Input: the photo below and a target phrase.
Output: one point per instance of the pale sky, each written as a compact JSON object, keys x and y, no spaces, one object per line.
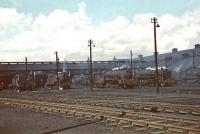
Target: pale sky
{"x":37,"y":28}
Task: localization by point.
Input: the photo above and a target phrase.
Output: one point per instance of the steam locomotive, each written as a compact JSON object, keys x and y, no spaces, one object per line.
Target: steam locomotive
{"x":125,"y":78}
{"x":27,"y":81}
{"x":64,"y":80}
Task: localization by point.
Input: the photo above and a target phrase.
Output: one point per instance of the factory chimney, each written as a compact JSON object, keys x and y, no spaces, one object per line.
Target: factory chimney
{"x":197,"y":46}
{"x":174,"y":50}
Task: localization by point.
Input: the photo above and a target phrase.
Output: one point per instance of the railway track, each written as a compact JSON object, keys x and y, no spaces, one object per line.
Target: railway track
{"x":125,"y":104}
{"x":156,"y":122}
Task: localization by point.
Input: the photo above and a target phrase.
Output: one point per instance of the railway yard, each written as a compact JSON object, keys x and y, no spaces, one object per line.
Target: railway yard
{"x":67,"y":68}
{"x":174,"y":110}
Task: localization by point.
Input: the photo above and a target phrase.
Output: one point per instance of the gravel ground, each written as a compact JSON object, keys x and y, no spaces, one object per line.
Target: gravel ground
{"x":20,"y":121}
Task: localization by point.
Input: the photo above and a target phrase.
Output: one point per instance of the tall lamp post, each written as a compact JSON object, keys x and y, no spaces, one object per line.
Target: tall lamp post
{"x":57,"y":68}
{"x":91,"y":44}
{"x":155,"y":24}
{"x":131,"y":53}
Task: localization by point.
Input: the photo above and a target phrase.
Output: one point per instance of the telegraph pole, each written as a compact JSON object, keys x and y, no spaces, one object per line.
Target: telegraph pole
{"x":57,"y":68}
{"x":131,"y":62}
{"x":165,"y":62}
{"x":88,"y":63}
{"x":26,"y":64}
{"x":91,"y":79}
{"x":155,"y":24}
{"x":142,"y":60}
{"x":193,"y":58}
{"x":115,"y":60}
